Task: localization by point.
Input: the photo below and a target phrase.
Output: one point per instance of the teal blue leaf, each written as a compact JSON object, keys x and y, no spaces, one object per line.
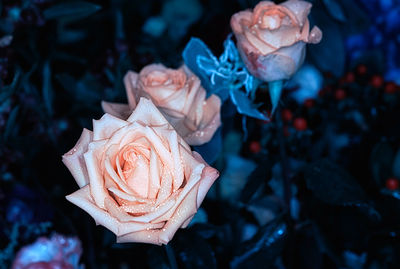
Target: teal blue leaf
{"x":275,"y":90}
{"x":245,"y":106}
{"x":197,"y":52}
{"x":71,"y":11}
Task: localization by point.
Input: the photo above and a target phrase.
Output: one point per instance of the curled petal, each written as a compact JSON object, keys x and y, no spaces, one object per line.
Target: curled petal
{"x":106,"y":126}
{"x":131,"y":81}
{"x":300,"y":9}
{"x":147,"y":113}
{"x":73,"y":159}
{"x":83,"y":199}
{"x":315,"y":35}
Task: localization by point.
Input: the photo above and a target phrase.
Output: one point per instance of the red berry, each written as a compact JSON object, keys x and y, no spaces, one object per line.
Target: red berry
{"x":255,"y":147}
{"x":287,"y":115}
{"x":392,"y":184}
{"x":361,"y":69}
{"x":390,"y":87}
{"x":308,"y":103}
{"x":300,"y":124}
{"x":377,"y":81}
{"x":340,"y":94}
{"x":349,"y":77}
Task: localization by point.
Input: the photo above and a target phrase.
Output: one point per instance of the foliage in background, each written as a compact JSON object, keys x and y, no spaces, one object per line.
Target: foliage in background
{"x":316,"y":186}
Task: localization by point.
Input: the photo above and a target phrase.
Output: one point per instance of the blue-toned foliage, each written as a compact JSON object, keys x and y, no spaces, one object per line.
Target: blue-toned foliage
{"x":224,"y":76}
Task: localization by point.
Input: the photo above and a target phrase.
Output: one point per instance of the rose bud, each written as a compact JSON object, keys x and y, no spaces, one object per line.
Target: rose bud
{"x":138,"y":177}
{"x":180,"y":98}
{"x":271,"y":39}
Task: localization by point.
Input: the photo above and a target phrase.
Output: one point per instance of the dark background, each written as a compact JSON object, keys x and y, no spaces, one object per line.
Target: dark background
{"x":341,"y":158}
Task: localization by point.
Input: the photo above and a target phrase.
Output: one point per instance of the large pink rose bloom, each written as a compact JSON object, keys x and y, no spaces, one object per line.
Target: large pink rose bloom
{"x":138,"y":177}
{"x":271,"y":39}
{"x":180,"y":98}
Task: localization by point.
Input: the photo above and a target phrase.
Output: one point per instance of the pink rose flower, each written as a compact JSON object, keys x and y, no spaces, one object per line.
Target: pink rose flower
{"x":57,"y":252}
{"x":271,"y":40}
{"x":138,"y":177}
{"x":180,"y":98}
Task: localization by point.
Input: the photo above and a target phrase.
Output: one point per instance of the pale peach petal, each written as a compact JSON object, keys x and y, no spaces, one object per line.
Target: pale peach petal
{"x":155,"y":173}
{"x":194,"y":109}
{"x":124,"y":198}
{"x":315,"y":35}
{"x":73,"y":159}
{"x":83,"y":199}
{"x":178,"y":175}
{"x":239,"y":19}
{"x":106,"y":126}
{"x":282,"y":37}
{"x":166,"y":186}
{"x":114,"y":210}
{"x":130,"y":82}
{"x":150,"y":212}
{"x":194,"y":179}
{"x":300,"y":9}
{"x":120,"y":182}
{"x":146,"y":236}
{"x":163,"y":153}
{"x":210,"y":122}
{"x":186,"y":209}
{"x":96,"y":180}
{"x":305,"y":32}
{"x":174,"y":100}
{"x":147,"y":113}
{"x":208,"y":177}
{"x":260,"y":8}
{"x":187,"y":222}
{"x":121,"y":111}
{"x":256,"y":42}
{"x":139,"y":179}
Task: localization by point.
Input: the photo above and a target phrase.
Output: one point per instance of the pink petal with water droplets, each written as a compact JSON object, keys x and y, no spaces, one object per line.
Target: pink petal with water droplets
{"x":74,"y":160}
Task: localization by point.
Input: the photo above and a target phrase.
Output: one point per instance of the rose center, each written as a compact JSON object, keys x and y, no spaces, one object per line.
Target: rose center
{"x":157,"y":78}
{"x":135,"y":168}
{"x":271,"y":22}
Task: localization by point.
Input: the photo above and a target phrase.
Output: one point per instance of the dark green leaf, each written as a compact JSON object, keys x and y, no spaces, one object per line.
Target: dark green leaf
{"x":47,"y":90}
{"x":11,"y":122}
{"x":192,"y":251}
{"x":333,"y":185}
{"x":329,"y":54}
{"x":72,"y":11}
{"x":256,"y":179}
{"x":381,"y":161}
{"x":263,"y":248}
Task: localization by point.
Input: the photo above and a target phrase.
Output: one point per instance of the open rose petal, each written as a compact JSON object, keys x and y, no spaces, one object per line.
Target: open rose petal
{"x":74,"y":158}
{"x":178,"y":95}
{"x":138,"y":177}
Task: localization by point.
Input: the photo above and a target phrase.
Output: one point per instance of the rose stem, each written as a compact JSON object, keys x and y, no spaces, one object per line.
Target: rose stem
{"x":286,"y":180}
{"x":284,"y":162}
{"x":171,"y":256}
